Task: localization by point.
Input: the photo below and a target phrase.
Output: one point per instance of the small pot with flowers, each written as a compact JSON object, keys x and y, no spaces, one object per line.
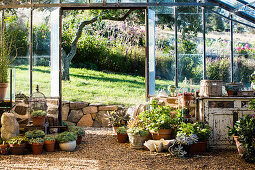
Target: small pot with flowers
{"x":122,"y":134}
{"x":3,"y":147}
{"x":67,"y":141}
{"x":49,"y":143}
{"x":38,"y":117}
{"x":17,"y":144}
{"x":36,"y":145}
{"x":117,"y":119}
{"x":79,"y":131}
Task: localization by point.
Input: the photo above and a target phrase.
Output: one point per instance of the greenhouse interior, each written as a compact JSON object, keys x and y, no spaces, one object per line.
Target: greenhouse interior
{"x":92,"y":70}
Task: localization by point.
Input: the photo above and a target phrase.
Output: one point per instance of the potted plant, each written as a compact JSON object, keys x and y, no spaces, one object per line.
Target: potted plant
{"x":185,"y":98}
{"x":38,"y":117}
{"x":35,"y":134}
{"x":182,"y":144}
{"x":67,"y":141}
{"x":122,"y":134}
{"x":36,"y":145}
{"x":230,"y":90}
{"x":3,"y":147}
{"x":137,"y":133}
{"x":49,"y":143}
{"x":5,"y":61}
{"x":117,"y":119}
{"x":79,"y":131}
{"x":244,"y":137}
{"x":185,"y":112}
{"x":161,"y":121}
{"x":203,"y":132}
{"x":17,"y":144}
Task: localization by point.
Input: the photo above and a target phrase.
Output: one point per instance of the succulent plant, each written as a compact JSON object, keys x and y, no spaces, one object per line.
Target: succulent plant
{"x":77,"y":130}
{"x":66,"y":137}
{"x":17,"y":140}
{"x":122,"y":130}
{"x":35,"y":134}
{"x":38,"y":113}
{"x":49,"y":138}
{"x":36,"y":140}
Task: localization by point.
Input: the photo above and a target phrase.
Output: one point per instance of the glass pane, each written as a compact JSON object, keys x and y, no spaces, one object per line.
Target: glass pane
{"x":190,"y":46}
{"x":75,"y":1}
{"x":17,"y":32}
{"x":218,"y":48}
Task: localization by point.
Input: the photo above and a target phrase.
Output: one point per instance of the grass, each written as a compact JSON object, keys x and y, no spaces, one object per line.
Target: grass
{"x":89,"y":85}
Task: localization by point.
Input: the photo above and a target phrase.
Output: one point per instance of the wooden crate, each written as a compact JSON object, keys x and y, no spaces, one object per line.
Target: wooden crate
{"x":210,"y":88}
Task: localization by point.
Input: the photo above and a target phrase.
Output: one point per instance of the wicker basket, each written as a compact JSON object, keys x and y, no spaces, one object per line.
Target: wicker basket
{"x":210,"y":88}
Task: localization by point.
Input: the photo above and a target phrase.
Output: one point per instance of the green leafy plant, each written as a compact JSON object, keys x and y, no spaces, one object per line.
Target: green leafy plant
{"x":17,"y":140}
{"x":160,"y":117}
{"x":122,"y":130}
{"x":2,"y":141}
{"x":66,"y":137}
{"x":118,"y":118}
{"x":77,"y":130}
{"x":35,"y":134}
{"x":38,"y":113}
{"x":137,"y":127}
{"x":245,"y":130}
{"x":49,"y":138}
{"x":36,"y":140}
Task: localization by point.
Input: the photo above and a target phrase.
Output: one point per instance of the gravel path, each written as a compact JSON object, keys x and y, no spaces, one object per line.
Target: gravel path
{"x":100,"y":150}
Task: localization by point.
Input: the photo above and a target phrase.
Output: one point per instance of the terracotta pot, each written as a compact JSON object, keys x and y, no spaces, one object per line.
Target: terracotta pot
{"x":79,"y":139}
{"x":136,"y":141}
{"x":114,"y":129}
{"x":49,"y":146}
{"x":162,"y":134}
{"x":39,"y":120}
{"x":68,"y":146}
{"x":17,"y":149}
{"x":37,"y":148}
{"x":231,"y":93}
{"x":198,"y":147}
{"x":3,"y":88}
{"x":239,"y":146}
{"x":3,"y":149}
{"x":122,"y":138}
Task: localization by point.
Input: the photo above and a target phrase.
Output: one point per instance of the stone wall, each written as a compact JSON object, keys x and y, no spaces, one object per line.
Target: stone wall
{"x":75,"y":113}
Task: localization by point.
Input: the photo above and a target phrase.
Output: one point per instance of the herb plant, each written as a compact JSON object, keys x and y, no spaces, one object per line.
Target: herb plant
{"x":122,"y":130}
{"x":36,"y":140}
{"x":49,"y":138}
{"x":118,"y":118}
{"x":77,"y":130}
{"x":66,"y":137}
{"x":38,"y":113}
{"x":17,"y":140}
{"x":35,"y":134}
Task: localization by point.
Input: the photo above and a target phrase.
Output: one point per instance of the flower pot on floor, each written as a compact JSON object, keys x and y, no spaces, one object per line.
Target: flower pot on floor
{"x":3,"y":88}
{"x":198,"y":147}
{"x":239,"y":146}
{"x":37,"y":148}
{"x":68,"y":146}
{"x":49,"y":146}
{"x":162,"y":134}
{"x":3,"y":149}
{"x":39,"y":120}
{"x":122,"y":138}
{"x":136,"y":141}
{"x":17,"y":149}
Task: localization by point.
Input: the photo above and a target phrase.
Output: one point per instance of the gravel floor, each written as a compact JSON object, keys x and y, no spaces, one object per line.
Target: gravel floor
{"x":100,"y":150}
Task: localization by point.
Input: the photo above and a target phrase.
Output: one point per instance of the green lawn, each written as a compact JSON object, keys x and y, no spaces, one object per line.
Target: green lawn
{"x":89,"y":85}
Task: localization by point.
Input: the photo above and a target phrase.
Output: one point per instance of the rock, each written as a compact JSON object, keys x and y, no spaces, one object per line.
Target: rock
{"x":69,"y":123}
{"x":65,"y":111}
{"x":75,"y":116}
{"x":52,"y":111}
{"x":158,"y":145}
{"x":89,"y":110}
{"x":52,"y":101}
{"x":108,"y":108}
{"x":96,"y":104}
{"x":93,"y":115}
{"x":52,"y":119}
{"x":102,"y":118}
{"x":10,"y":126}
{"x":78,"y":105}
{"x":21,"y":109}
{"x":96,"y":124}
{"x":86,"y":121}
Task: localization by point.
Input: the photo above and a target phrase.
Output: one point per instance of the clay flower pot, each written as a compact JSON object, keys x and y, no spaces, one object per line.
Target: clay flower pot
{"x":79,"y":140}
{"x":198,"y":147}
{"x":37,"y":148}
{"x":68,"y":146}
{"x":114,"y":128}
{"x":3,"y":149}
{"x":39,"y":120}
{"x":136,"y":141}
{"x":162,"y":134}
{"x":17,"y":149}
{"x":231,"y":93}
{"x":3,"y":88}
{"x":122,"y":138}
{"x":49,"y":146}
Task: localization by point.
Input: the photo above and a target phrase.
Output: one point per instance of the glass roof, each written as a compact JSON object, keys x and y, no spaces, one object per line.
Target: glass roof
{"x":242,"y":8}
